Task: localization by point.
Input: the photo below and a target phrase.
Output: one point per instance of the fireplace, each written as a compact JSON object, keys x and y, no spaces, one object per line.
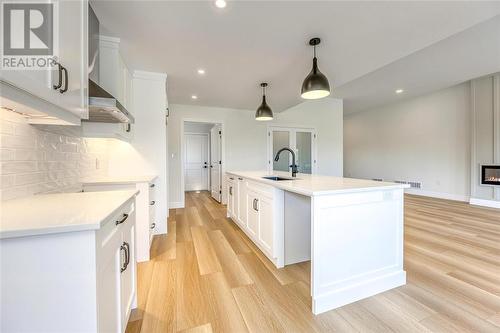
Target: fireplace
{"x":490,"y":175}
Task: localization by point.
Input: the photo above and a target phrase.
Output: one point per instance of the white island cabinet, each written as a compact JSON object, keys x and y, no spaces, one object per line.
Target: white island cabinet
{"x":350,"y":229}
{"x":68,"y":262}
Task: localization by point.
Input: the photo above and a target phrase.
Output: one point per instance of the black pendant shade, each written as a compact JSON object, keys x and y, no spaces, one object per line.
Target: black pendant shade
{"x":263,"y":112}
{"x":315,"y":84}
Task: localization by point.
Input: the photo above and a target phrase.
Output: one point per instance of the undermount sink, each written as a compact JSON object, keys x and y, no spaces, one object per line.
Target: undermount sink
{"x":277,"y":178}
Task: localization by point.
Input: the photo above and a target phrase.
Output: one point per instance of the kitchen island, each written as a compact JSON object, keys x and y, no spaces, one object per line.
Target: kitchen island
{"x":350,"y":229}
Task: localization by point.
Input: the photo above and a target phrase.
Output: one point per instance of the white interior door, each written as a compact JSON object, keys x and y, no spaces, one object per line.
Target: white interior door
{"x":301,"y":140}
{"x":196,"y":162}
{"x":215,"y":163}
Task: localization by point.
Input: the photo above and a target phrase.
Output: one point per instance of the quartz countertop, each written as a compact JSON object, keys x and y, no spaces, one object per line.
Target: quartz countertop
{"x":112,"y":180}
{"x":315,"y":185}
{"x":59,"y":212}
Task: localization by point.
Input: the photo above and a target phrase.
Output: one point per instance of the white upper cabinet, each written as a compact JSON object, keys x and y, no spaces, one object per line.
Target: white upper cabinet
{"x":73,"y":55}
{"x":65,"y":85}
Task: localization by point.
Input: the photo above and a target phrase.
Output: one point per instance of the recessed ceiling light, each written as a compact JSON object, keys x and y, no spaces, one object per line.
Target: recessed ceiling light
{"x":399,"y":91}
{"x":201,"y":71}
{"x":194,"y":97}
{"x":220,"y":3}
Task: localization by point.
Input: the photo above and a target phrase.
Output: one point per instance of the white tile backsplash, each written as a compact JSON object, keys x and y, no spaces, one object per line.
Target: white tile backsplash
{"x":34,"y":161}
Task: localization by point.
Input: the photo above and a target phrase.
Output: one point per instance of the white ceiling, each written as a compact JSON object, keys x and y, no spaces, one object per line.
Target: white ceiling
{"x":365,"y":45}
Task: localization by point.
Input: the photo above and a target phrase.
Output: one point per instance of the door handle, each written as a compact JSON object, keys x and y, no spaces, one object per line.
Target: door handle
{"x":62,"y":91}
{"x":57,"y":86}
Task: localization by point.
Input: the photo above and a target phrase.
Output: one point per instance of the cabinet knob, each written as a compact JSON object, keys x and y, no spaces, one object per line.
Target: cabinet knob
{"x":153,"y":225}
{"x":151,"y":185}
{"x":152,"y":203}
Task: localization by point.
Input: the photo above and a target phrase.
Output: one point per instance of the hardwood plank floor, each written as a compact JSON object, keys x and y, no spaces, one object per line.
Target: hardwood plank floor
{"x":207,"y":276}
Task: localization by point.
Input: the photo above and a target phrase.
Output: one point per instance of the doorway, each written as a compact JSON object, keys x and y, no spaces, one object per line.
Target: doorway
{"x":203,"y":158}
{"x":301,"y":140}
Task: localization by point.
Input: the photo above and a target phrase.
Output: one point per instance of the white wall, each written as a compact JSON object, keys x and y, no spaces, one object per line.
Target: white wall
{"x":485,"y":136}
{"x":245,"y":139}
{"x":423,"y":139}
{"x":191,"y":127}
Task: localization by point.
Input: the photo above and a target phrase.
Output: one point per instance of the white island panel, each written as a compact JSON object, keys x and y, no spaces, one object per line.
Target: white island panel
{"x":357,"y":246}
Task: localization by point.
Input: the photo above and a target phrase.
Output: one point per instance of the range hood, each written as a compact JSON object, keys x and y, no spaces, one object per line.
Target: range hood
{"x":103,"y":107}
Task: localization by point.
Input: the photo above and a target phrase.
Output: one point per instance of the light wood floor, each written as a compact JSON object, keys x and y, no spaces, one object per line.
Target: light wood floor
{"x":205,"y":275}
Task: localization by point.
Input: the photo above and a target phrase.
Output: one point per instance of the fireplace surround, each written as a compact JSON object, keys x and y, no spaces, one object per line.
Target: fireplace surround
{"x":490,"y":175}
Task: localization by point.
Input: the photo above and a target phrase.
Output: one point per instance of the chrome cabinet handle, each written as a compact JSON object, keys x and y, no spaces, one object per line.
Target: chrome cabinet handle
{"x":152,"y":203}
{"x":153,"y":225}
{"x":124,"y":266}
{"x":63,"y":90}
{"x":125,"y":217}
{"x":127,"y":257}
{"x":255,"y":204}
{"x":57,"y":86}
{"x":230,"y":190}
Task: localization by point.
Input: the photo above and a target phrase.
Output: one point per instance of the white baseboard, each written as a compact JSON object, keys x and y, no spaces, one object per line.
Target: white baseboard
{"x":176,"y":204}
{"x":357,"y":292}
{"x":439,"y":195}
{"x":485,"y":203}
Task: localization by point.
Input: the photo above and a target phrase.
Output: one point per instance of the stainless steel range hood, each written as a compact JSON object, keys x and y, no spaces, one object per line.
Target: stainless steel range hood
{"x":103,"y":107}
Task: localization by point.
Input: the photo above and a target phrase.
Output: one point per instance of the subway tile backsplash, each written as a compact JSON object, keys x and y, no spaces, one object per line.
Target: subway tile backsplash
{"x":35,"y":161}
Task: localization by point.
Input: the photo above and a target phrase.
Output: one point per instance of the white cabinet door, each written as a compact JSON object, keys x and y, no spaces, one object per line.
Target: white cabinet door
{"x":73,"y":55}
{"x":236,"y":200}
{"x":127,"y":279}
{"x":109,"y":291}
{"x":242,"y":209}
{"x":253,"y":214}
{"x":266,"y":232}
{"x":230,"y":196}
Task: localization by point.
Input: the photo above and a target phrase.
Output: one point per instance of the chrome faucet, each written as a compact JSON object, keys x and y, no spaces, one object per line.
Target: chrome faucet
{"x":293,"y":166}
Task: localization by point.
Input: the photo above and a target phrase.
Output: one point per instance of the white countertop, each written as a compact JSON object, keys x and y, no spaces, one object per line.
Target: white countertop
{"x":113,"y":180}
{"x":60,"y":212}
{"x":314,"y":185}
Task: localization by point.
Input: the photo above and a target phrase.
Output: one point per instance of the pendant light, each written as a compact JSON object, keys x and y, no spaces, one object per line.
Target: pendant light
{"x":315,"y":84}
{"x":264,"y":112}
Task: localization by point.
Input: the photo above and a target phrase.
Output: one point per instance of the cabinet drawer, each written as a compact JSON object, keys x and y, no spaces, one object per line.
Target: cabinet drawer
{"x":261,"y":189}
{"x":113,"y":224}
